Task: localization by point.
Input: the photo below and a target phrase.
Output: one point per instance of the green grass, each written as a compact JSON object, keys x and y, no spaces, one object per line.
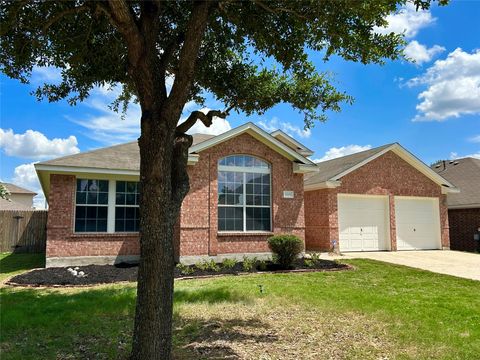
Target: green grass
{"x":378,"y":310}
{"x":13,"y":264}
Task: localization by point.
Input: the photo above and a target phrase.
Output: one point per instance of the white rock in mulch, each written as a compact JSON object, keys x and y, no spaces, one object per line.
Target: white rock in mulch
{"x":77,"y":273}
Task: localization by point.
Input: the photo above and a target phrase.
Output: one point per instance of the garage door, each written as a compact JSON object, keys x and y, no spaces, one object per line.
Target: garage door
{"x":418,"y":223}
{"x":363,"y":223}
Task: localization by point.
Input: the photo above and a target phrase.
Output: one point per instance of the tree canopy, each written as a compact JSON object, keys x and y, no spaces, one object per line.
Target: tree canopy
{"x":253,"y":55}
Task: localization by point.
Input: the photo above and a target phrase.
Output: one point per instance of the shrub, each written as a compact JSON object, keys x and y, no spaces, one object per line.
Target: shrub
{"x":309,"y":263}
{"x":312,"y":261}
{"x":285,"y":248}
{"x":315,"y":257}
{"x":248,"y":263}
{"x":185,"y":269}
{"x":262,"y":265}
{"x":229,"y":263}
{"x":208,"y":266}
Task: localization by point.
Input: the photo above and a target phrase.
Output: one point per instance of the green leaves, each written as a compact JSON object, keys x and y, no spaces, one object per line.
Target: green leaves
{"x":254,"y":53}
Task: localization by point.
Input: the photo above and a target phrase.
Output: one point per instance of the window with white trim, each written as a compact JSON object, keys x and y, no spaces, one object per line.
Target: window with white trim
{"x":244,"y":194}
{"x":127,"y":201}
{"x":91,"y":206}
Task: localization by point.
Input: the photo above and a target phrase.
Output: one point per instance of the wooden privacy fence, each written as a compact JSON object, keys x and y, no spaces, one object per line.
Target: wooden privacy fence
{"x":23,"y":231}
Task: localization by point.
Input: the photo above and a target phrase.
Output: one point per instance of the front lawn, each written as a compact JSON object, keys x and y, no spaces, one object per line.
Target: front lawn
{"x":12,"y":264}
{"x":378,"y":311}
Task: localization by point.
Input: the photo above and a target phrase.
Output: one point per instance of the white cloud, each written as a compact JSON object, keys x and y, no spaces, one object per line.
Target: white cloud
{"x":219,"y":125}
{"x":335,"y":152}
{"x":407,"y":21}
{"x":475,"y":139}
{"x":420,"y":53}
{"x":26,"y":177}
{"x":289,"y":128}
{"x":35,"y":145}
{"x":453,"y":87}
{"x":107,"y":126}
{"x":49,"y":74}
{"x":454,"y":155}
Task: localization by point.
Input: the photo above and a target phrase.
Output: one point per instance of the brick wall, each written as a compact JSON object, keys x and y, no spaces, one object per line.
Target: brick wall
{"x":463,"y":225}
{"x":196,"y":232}
{"x":62,"y":241}
{"x":386,"y":175}
{"x":199,"y":221}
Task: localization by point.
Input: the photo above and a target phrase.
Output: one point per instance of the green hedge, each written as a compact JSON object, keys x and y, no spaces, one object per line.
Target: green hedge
{"x":285,"y":248}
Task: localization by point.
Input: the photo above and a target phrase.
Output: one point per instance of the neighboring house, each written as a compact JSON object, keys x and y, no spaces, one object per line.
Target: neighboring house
{"x":19,"y":198}
{"x":379,"y":199}
{"x":245,"y":186}
{"x":464,"y":207}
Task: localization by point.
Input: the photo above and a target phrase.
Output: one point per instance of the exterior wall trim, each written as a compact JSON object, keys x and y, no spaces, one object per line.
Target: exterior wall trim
{"x":261,"y":135}
{"x":112,"y":259}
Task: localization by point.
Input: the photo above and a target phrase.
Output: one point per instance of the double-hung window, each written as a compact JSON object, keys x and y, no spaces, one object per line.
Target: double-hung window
{"x":127,"y":201}
{"x":244,"y":194}
{"x":91,"y":209}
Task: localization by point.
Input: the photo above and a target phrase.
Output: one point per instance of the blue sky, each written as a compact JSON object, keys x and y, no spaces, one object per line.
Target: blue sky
{"x":432,"y":107}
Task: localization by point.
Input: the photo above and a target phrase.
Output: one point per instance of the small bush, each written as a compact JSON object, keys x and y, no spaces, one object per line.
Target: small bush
{"x":185,"y":269}
{"x":315,"y":257}
{"x":208,"y":266}
{"x":262,"y":265}
{"x":229,"y":263}
{"x":249,"y":264}
{"x":309,"y":263}
{"x":312,"y":260}
{"x":285,"y":248}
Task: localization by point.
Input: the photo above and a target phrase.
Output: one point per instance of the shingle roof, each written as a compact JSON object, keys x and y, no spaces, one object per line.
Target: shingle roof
{"x":14,"y":189}
{"x":330,"y":168}
{"x":465,"y":175}
{"x":117,"y":157}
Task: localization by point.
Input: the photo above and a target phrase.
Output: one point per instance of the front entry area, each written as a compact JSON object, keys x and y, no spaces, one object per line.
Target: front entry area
{"x":363,"y":223}
{"x":417,"y":223}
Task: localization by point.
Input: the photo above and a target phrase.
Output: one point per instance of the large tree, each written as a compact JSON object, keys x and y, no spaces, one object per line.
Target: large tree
{"x":250,"y":55}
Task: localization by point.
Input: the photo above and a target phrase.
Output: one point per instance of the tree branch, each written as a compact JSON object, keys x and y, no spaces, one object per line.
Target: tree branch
{"x":121,"y":16}
{"x":206,"y":119}
{"x":180,"y":181}
{"x":52,"y":20}
{"x":195,"y":30}
{"x":278,"y":10}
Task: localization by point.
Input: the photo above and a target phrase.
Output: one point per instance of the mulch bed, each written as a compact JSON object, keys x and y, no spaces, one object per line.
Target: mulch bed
{"x":107,"y":274}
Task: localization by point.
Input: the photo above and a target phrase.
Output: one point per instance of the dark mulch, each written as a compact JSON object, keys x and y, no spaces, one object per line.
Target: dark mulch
{"x":104,"y":274}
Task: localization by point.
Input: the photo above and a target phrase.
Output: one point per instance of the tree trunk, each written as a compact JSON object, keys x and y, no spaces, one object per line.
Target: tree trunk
{"x":161,"y":166}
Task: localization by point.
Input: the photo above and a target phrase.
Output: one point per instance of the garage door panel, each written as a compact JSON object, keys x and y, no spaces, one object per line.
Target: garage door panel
{"x":362,"y":223}
{"x":417,"y":223}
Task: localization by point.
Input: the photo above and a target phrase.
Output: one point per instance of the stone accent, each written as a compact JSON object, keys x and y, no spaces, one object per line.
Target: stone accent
{"x":386,"y":175}
{"x":196,"y":233}
{"x":463,"y":225}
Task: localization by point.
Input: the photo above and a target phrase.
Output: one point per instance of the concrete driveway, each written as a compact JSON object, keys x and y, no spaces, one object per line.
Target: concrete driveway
{"x":456,"y":263}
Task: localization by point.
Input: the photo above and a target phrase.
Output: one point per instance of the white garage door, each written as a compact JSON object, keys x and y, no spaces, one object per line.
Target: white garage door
{"x":363,"y":223}
{"x":418,"y":223}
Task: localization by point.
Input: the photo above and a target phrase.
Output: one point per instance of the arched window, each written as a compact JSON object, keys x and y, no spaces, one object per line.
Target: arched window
{"x":244,"y":194}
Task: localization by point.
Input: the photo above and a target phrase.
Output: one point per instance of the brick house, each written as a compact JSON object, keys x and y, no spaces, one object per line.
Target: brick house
{"x":380,"y":199}
{"x":245,"y":186}
{"x":464,"y":207}
{"x":19,"y":198}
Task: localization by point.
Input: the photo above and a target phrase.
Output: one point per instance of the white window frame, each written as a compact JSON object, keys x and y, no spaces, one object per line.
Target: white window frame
{"x":244,"y":170}
{"x":111,"y":206}
{"x":121,"y":206}
{"x":91,"y":205}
